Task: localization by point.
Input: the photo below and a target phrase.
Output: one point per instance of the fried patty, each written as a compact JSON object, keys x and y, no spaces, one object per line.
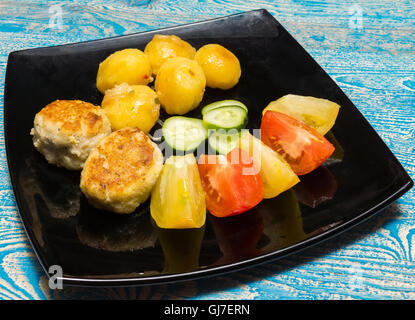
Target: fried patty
{"x":121,"y":171}
{"x":65,"y":131}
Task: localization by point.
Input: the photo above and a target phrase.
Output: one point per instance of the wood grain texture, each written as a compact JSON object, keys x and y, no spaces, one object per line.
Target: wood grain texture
{"x":374,"y":65}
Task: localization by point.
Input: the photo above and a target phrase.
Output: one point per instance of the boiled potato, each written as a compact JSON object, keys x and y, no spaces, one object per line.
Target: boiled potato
{"x":221,"y":67}
{"x":180,"y":85}
{"x":163,"y":47}
{"x":131,"y":106}
{"x":129,"y":65}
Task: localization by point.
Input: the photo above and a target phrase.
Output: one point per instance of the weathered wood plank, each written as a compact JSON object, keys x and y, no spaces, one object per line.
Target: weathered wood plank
{"x":373,"y":64}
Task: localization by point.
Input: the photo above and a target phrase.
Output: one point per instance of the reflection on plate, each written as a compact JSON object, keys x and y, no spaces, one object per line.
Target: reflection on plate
{"x":108,"y":231}
{"x":338,"y":154}
{"x":181,"y":248}
{"x":284,"y":224}
{"x":316,"y":187}
{"x":54,"y":187}
{"x":238,"y":235}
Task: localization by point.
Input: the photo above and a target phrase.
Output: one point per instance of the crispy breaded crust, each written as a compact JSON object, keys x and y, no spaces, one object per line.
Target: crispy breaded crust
{"x":121,"y":171}
{"x":65,"y":131}
{"x":74,"y":116}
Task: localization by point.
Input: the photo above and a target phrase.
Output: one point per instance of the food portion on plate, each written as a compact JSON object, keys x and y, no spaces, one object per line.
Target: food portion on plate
{"x":285,"y":149}
{"x":320,"y":114}
{"x":232,"y":183}
{"x":276,"y":173}
{"x":180,"y":85}
{"x":122,"y":166}
{"x":184,"y":133}
{"x":221,"y":66}
{"x":65,"y":131}
{"x":301,"y":146}
{"x":130,"y":66}
{"x":121,"y":170}
{"x":223,"y":141}
{"x":163,"y":47}
{"x":226,"y":117}
{"x":131,"y":106}
{"x":178,"y":199}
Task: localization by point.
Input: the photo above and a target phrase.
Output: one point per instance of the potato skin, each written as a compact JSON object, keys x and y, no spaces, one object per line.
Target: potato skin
{"x":221,"y":67}
{"x":180,"y":85}
{"x":131,"y":106}
{"x":129,"y":65}
{"x":163,"y":47}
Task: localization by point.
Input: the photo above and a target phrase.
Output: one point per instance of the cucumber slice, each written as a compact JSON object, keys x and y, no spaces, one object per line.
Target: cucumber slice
{"x":183,"y":133}
{"x":225,"y":141}
{"x":223,"y":103}
{"x":226,"y":118}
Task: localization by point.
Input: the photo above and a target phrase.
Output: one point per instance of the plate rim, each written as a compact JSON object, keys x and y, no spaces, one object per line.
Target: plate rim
{"x":125,"y":36}
{"x":241,"y":265}
{"x":203,"y":272}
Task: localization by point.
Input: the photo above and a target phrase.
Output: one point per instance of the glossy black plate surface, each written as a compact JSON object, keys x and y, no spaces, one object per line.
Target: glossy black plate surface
{"x":99,"y":248}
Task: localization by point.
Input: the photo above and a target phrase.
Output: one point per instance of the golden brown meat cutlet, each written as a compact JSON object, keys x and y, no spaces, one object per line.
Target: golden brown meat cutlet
{"x":121,"y":171}
{"x":65,"y":131}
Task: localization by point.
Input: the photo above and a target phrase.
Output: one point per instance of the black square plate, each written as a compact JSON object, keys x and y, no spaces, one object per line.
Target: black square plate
{"x":97,"y":248}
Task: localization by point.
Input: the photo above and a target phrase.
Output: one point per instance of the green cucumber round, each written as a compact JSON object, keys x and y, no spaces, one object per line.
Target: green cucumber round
{"x":183,"y":133}
{"x":223,"y":103}
{"x":230,"y":117}
{"x":223,"y":141}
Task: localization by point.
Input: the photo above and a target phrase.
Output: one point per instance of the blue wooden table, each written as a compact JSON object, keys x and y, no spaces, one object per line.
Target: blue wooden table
{"x":367,"y":47}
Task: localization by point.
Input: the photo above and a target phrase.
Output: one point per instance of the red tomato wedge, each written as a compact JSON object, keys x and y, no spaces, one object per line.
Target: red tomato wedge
{"x":301,"y":146}
{"x":232,"y":183}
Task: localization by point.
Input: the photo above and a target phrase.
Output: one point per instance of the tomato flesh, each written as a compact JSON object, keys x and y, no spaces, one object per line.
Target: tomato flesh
{"x":300,"y":145}
{"x":276,"y":173}
{"x":320,"y":114}
{"x":232,"y":183}
{"x":178,"y":199}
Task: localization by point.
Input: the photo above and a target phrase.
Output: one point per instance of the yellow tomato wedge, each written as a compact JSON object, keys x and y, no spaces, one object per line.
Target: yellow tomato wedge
{"x":178,"y":199}
{"x":276,"y":173}
{"x":317,"y":113}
